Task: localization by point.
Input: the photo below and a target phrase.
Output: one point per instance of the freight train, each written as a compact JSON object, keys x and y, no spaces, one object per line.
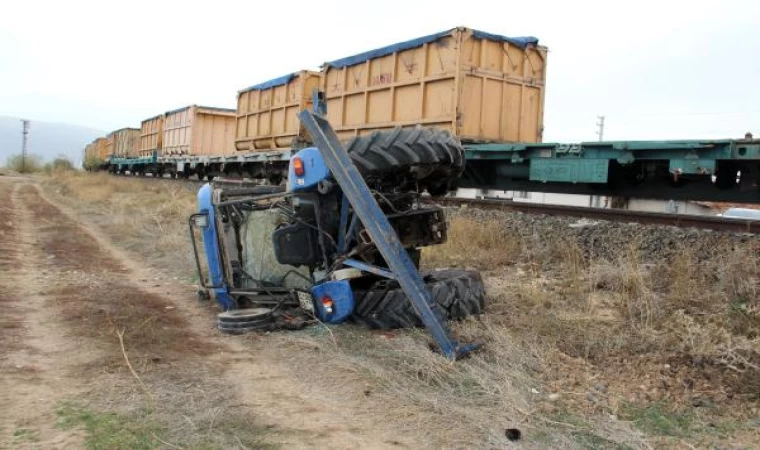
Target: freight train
{"x":485,"y":89}
{"x":480,"y":87}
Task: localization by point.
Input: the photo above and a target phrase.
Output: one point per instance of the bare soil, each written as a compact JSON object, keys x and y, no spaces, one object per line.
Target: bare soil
{"x":38,"y":354}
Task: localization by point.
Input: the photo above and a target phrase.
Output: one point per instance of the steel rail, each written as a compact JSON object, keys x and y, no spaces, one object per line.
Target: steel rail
{"x":620,"y":215}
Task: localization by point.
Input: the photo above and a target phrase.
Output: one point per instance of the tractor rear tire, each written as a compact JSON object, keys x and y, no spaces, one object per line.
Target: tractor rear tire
{"x":456,"y":293}
{"x":430,"y":158}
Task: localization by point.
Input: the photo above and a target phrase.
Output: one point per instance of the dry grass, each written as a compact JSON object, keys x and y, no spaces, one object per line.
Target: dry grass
{"x":474,"y":243}
{"x":466,"y":404}
{"x":625,"y":320}
{"x":654,"y":334}
{"x":633,"y":317}
{"x":148,"y":217}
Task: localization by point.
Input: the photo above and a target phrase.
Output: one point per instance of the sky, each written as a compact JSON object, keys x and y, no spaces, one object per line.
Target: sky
{"x":654,"y":69}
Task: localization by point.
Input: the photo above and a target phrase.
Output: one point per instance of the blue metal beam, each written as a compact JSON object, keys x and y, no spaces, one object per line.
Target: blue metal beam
{"x":382,"y":233}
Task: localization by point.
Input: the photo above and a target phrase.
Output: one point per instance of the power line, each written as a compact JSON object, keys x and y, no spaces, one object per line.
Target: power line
{"x":25,"y":134}
{"x":600,"y":126}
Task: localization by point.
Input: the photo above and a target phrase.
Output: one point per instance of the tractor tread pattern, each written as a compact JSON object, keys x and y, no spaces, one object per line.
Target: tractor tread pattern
{"x":456,"y":294}
{"x":433,"y":155}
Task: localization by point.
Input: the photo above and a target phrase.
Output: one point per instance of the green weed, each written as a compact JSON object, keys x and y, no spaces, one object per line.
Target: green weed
{"x":110,"y":430}
{"x":659,"y":420}
{"x":591,"y":441}
{"x":25,"y":435}
{"x":145,"y":430}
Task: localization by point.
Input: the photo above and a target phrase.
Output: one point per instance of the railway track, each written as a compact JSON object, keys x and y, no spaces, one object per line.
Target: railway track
{"x":620,"y":215}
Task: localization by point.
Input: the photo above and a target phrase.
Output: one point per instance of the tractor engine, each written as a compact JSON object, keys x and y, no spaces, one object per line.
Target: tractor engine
{"x":318,"y":232}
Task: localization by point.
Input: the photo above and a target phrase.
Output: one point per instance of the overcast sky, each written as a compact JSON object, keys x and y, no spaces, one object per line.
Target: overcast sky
{"x":656,"y":69}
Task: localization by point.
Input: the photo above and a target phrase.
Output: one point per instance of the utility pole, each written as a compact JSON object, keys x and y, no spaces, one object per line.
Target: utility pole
{"x":600,"y":125}
{"x":25,"y":134}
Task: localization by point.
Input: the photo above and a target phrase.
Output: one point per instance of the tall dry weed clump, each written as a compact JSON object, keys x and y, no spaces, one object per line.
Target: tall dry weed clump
{"x":639,"y":303}
{"x":706,"y":308}
{"x":720,"y":292}
{"x":475,"y":243}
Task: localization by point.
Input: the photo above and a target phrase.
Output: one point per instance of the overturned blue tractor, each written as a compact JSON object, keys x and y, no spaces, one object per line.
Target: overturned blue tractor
{"x":341,"y":241}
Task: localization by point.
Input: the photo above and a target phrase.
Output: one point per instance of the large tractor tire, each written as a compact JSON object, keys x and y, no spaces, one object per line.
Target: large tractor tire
{"x":384,"y":305}
{"x":422,"y":157}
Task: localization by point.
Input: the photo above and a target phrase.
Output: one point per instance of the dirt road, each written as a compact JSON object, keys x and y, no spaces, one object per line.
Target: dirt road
{"x":38,"y":355}
{"x":68,"y":295}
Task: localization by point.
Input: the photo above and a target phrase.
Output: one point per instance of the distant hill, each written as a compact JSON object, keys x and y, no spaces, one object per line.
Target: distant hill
{"x":46,"y":139}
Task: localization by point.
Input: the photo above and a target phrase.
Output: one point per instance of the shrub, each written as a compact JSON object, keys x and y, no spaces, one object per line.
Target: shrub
{"x":92,"y":164}
{"x":61,"y":163}
{"x":33,"y":163}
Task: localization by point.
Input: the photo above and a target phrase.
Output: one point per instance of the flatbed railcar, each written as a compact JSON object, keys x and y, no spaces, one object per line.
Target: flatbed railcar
{"x":726,"y":170}
{"x":269,"y":166}
{"x":716,"y":170}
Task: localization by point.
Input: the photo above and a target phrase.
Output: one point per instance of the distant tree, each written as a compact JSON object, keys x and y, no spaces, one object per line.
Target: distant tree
{"x":61,"y":163}
{"x":33,"y":163}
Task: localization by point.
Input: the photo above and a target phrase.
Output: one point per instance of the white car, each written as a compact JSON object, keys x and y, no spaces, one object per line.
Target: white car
{"x":741,"y":213}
